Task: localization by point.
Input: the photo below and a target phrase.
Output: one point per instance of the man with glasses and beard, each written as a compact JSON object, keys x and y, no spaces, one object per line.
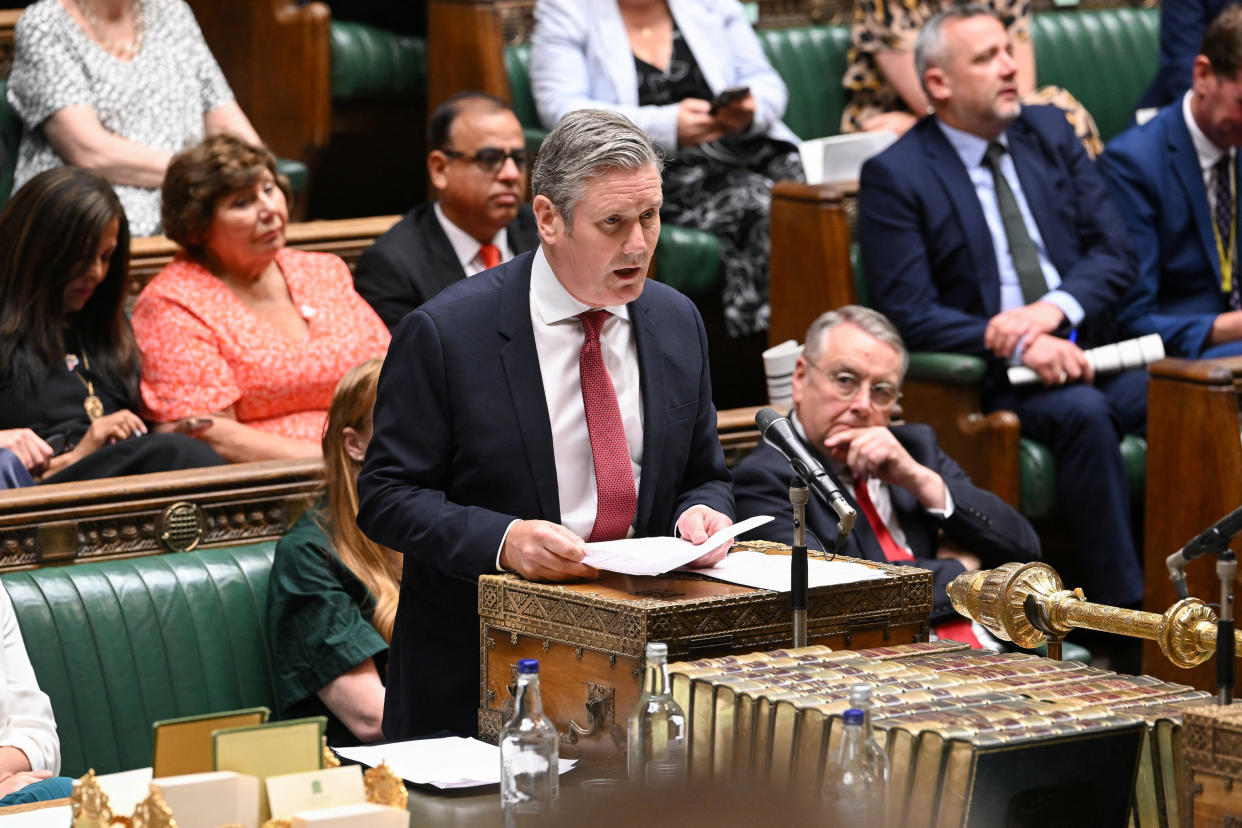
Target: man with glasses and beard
{"x":477,"y":164}
{"x":915,"y":505}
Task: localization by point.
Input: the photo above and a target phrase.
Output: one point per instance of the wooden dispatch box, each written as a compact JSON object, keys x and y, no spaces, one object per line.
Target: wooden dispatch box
{"x":1212,"y":766}
{"x":590,"y":637}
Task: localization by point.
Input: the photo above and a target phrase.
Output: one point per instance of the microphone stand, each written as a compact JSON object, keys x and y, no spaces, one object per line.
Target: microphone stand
{"x":798,"y":497}
{"x":1215,"y":541}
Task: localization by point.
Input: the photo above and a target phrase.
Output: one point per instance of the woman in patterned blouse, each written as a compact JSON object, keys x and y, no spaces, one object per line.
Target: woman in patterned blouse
{"x":117,"y":86}
{"x":243,"y":340}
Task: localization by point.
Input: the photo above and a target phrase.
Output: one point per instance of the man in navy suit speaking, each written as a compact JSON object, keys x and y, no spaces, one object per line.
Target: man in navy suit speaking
{"x":554,"y":399}
{"x":986,"y":230}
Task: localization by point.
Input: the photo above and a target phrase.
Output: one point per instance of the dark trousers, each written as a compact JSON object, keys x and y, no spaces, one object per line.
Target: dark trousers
{"x":1082,"y":426}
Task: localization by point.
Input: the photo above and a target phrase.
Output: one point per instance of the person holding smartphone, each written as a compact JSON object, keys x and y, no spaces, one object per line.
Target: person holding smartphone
{"x":690,"y":73}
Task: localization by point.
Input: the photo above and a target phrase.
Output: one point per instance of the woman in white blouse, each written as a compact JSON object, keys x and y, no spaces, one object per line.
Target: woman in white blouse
{"x":29,"y":748}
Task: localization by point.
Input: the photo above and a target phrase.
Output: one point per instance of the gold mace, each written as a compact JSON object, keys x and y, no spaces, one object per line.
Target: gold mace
{"x":1024,"y":603}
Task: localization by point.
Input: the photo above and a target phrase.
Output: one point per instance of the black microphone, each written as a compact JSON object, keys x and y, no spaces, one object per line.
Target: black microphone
{"x":779,"y":433}
{"x":1213,"y":540}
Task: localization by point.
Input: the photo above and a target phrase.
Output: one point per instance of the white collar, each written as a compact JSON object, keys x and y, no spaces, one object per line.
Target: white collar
{"x":465,"y":246}
{"x":551,"y":301}
{"x":1207,"y":151}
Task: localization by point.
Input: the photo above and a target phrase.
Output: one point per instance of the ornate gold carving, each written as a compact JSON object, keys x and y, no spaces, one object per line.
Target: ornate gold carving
{"x":181,"y":526}
{"x":547,"y":644}
{"x":1023,"y":602}
{"x":278,"y":822}
{"x":330,"y":759}
{"x":384,"y":787}
{"x":490,"y":722}
{"x":153,"y":812}
{"x":90,"y":803}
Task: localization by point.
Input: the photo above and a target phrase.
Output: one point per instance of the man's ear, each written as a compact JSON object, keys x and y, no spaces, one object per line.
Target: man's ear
{"x":437,"y":162}
{"x":548,"y":219}
{"x":354,"y":445}
{"x":936,"y":84}
{"x":1201,"y":74}
{"x":799,"y":379}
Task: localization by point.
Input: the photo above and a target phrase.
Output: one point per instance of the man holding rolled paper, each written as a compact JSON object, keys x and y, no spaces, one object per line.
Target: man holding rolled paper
{"x":986,"y":230}
{"x":1175,"y":179}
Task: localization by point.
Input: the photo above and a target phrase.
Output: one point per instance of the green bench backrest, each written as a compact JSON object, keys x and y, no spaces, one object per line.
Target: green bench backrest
{"x":372,"y":63}
{"x":812,"y":61}
{"x":1105,"y":57}
{"x":120,"y":644}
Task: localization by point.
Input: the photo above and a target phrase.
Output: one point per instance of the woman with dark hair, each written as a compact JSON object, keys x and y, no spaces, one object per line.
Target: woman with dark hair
{"x":68,"y":363}
{"x":240,"y":331}
{"x":333,"y":594}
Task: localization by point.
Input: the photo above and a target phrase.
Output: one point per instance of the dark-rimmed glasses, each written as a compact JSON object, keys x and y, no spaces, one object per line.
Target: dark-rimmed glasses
{"x":846,"y":385}
{"x":490,"y":159}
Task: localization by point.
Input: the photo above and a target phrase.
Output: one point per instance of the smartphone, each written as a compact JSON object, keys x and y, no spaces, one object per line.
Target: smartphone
{"x":728,"y":96}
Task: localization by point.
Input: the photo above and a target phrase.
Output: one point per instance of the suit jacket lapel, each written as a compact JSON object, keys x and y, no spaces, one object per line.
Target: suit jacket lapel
{"x":443,"y":267}
{"x":948,"y":167}
{"x":521,"y":365}
{"x":655,"y":401}
{"x":1190,"y":176}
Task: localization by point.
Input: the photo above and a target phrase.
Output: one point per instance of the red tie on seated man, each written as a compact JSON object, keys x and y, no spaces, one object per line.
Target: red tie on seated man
{"x":915,"y":499}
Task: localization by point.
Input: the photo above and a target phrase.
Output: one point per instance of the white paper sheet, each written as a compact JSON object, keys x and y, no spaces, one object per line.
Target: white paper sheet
{"x":451,"y":762}
{"x":55,"y":817}
{"x":653,"y":556}
{"x":756,"y":569}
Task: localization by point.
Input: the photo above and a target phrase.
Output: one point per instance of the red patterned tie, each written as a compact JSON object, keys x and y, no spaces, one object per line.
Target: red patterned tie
{"x":614,"y":476}
{"x":490,"y":255}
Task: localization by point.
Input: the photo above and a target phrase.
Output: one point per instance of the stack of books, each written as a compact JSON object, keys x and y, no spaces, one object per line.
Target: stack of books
{"x":974,"y":738}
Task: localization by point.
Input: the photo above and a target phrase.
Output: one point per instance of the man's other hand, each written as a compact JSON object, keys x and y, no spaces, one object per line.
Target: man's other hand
{"x":542,"y":551}
{"x":875,"y":452}
{"x":1007,"y":329}
{"x":697,"y":524}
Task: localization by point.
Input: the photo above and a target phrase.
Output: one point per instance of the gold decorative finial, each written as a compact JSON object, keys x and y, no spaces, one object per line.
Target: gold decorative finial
{"x":1023,"y":602}
{"x":278,"y":822}
{"x":90,"y":803}
{"x":330,"y":759}
{"x":384,"y":787}
{"x":153,"y":812}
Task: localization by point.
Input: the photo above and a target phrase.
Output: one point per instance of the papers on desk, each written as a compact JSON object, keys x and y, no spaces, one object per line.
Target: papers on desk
{"x":654,"y":556}
{"x":451,"y":762}
{"x":57,"y":816}
{"x":755,"y":569}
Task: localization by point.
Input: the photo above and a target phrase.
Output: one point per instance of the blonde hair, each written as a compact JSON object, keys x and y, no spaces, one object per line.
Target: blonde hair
{"x":376,"y":566}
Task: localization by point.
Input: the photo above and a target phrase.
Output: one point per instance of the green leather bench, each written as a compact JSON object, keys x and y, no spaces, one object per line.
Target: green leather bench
{"x":120,"y":644}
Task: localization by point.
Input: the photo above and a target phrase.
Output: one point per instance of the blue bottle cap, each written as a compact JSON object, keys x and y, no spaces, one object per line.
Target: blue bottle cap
{"x":528,"y":665}
{"x":852,"y":716}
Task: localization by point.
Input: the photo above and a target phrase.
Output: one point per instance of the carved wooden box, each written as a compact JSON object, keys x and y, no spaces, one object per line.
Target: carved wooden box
{"x":1212,"y":764}
{"x":590,"y":638}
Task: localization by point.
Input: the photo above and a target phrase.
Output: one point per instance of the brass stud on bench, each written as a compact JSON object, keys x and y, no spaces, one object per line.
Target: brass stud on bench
{"x":181,"y":526}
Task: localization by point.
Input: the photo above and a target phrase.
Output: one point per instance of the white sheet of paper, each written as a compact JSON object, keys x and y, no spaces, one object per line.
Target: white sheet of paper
{"x":756,"y":569}
{"x":451,"y":762}
{"x":55,"y":817}
{"x":653,"y":556}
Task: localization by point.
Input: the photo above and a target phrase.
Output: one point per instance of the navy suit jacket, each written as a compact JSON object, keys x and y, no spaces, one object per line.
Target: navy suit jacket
{"x":927,"y":251}
{"x":415,"y":260}
{"x":1182,"y":24}
{"x":462,"y":447}
{"x":981,"y":522}
{"x":1154,"y":174}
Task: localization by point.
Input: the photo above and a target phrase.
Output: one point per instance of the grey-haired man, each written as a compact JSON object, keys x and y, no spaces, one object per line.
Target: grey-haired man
{"x":557,"y":398}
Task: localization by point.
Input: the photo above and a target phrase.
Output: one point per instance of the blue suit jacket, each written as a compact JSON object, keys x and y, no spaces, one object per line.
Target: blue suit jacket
{"x":927,"y":252}
{"x":1154,"y":174}
{"x":462,"y":447}
{"x":1182,"y":24}
{"x":981,"y":522}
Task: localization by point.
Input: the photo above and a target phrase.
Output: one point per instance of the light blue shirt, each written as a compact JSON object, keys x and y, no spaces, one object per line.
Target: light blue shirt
{"x":971,"y":148}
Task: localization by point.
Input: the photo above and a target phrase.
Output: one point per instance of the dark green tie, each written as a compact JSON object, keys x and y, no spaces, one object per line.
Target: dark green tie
{"x":1021,"y":246}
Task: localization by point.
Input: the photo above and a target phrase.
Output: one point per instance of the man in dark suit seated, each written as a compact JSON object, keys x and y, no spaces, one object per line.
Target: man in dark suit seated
{"x":556,"y":398}
{"x":986,"y":230}
{"x":845,"y":385}
{"x":477,"y":165}
{"x":1175,"y":179}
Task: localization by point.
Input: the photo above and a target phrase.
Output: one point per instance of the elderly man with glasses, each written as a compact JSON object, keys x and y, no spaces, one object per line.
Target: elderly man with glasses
{"x":477,"y":164}
{"x":919,"y":507}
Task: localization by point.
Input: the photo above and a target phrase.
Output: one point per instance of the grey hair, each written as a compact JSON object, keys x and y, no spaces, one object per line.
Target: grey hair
{"x":587,"y":143}
{"x":929,"y":45}
{"x":867,"y":320}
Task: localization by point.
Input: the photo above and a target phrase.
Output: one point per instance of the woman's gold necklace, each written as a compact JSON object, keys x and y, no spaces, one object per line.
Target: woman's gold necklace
{"x":92,"y":404}
{"x":124,"y":51}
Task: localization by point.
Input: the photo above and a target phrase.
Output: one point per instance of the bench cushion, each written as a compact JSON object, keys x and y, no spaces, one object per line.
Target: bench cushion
{"x":120,"y":644}
{"x":811,"y":60}
{"x":373,"y":63}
